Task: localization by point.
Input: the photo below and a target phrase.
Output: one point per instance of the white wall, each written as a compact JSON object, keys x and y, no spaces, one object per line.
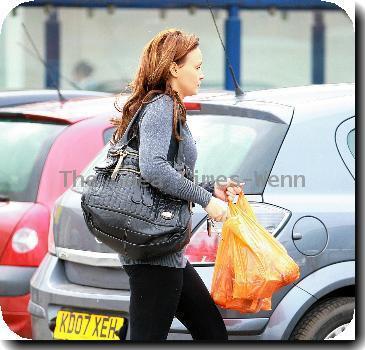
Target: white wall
{"x":275,"y":50}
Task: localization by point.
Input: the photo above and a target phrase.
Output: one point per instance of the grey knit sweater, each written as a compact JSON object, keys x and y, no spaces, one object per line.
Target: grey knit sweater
{"x":155,"y":133}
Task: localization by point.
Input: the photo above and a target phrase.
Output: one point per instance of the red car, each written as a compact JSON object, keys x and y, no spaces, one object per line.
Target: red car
{"x":43,"y":147}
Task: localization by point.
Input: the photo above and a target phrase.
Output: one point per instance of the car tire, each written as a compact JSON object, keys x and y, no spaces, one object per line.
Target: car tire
{"x":324,"y":318}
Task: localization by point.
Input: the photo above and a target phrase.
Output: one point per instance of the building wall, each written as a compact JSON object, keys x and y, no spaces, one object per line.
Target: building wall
{"x":275,"y":47}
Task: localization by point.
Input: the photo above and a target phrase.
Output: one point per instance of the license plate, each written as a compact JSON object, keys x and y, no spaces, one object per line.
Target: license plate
{"x":72,"y":325}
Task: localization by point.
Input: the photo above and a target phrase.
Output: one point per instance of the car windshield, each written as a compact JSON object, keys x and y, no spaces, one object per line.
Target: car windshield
{"x":24,"y":145}
{"x":228,"y":146}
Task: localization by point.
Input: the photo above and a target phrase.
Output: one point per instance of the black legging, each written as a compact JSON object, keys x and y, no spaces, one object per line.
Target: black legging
{"x":158,"y":293}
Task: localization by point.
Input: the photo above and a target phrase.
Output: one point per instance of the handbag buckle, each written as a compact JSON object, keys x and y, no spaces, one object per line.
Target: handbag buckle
{"x":167,"y":215}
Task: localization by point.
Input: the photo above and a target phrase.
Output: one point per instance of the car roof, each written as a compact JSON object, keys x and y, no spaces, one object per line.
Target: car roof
{"x":75,"y":110}
{"x":293,"y":96}
{"x":69,"y":111}
{"x":18,"y":97}
{"x":290,"y":96}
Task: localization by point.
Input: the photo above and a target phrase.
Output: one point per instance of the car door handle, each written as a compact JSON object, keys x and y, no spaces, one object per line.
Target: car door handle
{"x":297,"y":235}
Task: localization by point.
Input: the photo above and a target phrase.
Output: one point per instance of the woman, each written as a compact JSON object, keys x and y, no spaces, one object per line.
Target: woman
{"x":168,"y":286}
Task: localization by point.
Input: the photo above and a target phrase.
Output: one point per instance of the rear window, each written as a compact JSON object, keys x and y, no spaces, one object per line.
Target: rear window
{"x":228,"y":146}
{"x":24,"y":145}
{"x":235,"y":146}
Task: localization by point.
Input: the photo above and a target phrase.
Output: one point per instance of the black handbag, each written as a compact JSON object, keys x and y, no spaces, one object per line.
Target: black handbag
{"x":127,"y":213}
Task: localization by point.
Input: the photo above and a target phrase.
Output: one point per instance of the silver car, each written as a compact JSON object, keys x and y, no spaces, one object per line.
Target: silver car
{"x":295,"y":150}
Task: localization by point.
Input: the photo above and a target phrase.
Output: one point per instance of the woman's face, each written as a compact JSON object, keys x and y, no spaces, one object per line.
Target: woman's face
{"x":186,"y":79}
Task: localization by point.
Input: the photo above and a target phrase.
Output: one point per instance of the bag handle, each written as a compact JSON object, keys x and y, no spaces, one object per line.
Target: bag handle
{"x":124,"y":140}
{"x":180,"y":146}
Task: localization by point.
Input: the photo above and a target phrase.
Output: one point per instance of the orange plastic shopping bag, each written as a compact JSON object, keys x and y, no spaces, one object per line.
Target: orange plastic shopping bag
{"x":250,"y":264}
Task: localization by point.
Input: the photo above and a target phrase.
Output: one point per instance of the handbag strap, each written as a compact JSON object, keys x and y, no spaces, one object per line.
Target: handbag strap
{"x":180,"y":146}
{"x":125,"y":140}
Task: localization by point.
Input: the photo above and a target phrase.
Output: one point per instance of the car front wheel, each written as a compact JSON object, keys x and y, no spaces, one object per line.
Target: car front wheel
{"x":325,"y":321}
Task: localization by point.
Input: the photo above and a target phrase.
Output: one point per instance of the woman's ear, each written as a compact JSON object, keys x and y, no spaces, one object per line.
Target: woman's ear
{"x":174,"y":69}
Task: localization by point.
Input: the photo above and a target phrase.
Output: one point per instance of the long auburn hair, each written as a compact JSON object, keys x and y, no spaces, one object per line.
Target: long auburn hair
{"x":170,"y":45}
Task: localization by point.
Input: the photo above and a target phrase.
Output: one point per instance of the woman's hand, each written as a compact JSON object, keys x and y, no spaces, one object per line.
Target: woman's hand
{"x":217,"y":209}
{"x":228,"y":189}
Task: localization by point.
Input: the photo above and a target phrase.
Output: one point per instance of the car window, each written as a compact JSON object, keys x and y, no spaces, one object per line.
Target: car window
{"x":24,"y":146}
{"x":107,"y":135}
{"x":351,"y":142}
{"x":236,"y":146}
{"x":227,"y":146}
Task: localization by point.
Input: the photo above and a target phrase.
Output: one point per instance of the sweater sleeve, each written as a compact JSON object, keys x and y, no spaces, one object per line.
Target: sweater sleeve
{"x":209,"y":186}
{"x":155,"y":135}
